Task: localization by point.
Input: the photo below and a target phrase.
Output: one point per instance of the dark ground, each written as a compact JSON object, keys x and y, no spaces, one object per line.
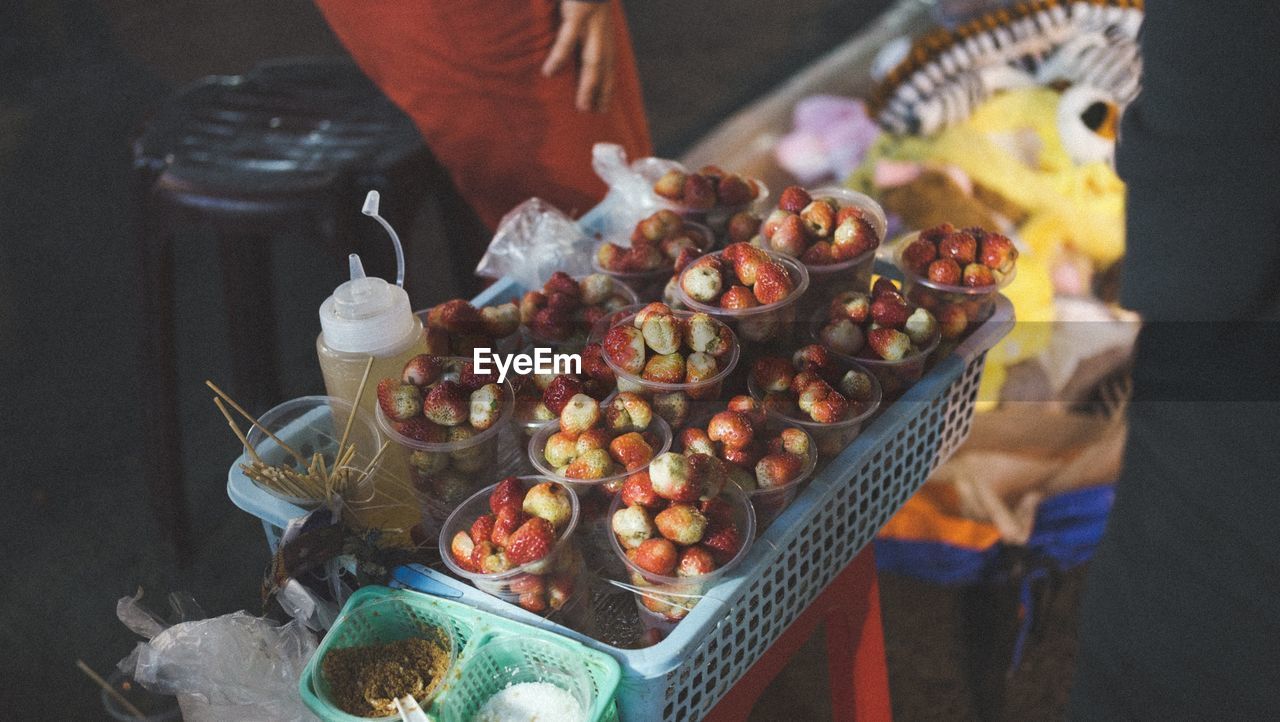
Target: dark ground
{"x":77,"y":78}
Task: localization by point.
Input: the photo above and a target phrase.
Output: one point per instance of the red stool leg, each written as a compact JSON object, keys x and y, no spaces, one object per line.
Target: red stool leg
{"x":855,"y":644}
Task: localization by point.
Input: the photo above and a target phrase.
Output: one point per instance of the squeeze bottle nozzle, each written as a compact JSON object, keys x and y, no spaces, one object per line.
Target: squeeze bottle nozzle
{"x":371,"y":209}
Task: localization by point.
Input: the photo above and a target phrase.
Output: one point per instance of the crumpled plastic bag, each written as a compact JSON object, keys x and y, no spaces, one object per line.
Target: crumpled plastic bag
{"x":236,"y":666}
{"x":631,"y":195}
{"x":534,"y":240}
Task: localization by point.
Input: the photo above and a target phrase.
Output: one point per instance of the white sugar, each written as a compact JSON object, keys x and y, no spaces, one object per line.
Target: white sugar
{"x":530,"y":702}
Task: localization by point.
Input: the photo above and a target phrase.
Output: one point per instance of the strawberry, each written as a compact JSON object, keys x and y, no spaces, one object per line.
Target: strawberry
{"x":470,"y":380}
{"x":889,"y":311}
{"x":773,"y":283}
{"x":791,"y":237}
{"x":921,"y":327}
{"x":699,"y":192}
{"x":638,"y":490}
{"x":398,"y":401}
{"x":795,"y":441}
{"x":742,"y":226}
{"x":535,"y":602}
{"x":889,"y":344}
{"x":745,"y":457}
{"x":667,"y":369}
{"x":420,"y":429}
{"x":487,"y":558}
{"x":482,"y":528}
{"x":961,"y":247}
{"x":731,"y":429}
{"x":852,"y":238}
{"x":531,"y":542}
{"x":771,"y":373}
{"x":628,"y":411}
{"x":819,"y":218}
{"x":794,"y":199}
{"x":936,"y":234}
{"x":579,"y":413}
{"x":734,"y":191}
{"x":709,"y":474}
{"x":884,"y":286}
{"x":673,"y":407}
{"x":819,"y":254}
{"x":703,"y":279}
{"x":670,"y":185}
{"x":501,"y":320}
{"x":686,"y":257}
{"x":661,"y":333}
{"x":723,"y":541}
{"x":560,"y":590}
{"x":631,"y":525}
{"x":447,"y":404}
{"x":952,"y":321}
{"x":530,"y":303}
{"x":558,"y":393}
{"x":625,"y":347}
{"x":507,"y":492}
{"x":594,"y":367}
{"x":656,"y":556}
{"x":422,"y":370}
{"x":976,"y":275}
{"x":748,"y":407}
{"x":997,"y":252}
{"x":461,"y":548}
{"x":696,"y":441}
{"x":561,"y":282}
{"x":855,"y":386}
{"x":738,"y":297}
{"x":811,"y":358}
{"x":718,"y":512}
{"x":549,"y":501}
{"x":746,"y":260}
{"x":682,"y":523}
{"x":630,"y":450}
{"x":595,"y":464}
{"x":486,"y":406}
{"x":775,"y":470}
{"x":695,"y":561}
{"x":919,"y":255}
{"x":505,"y":522}
{"x":672,"y":477}
{"x":842,"y":336}
{"x":944,"y":271}
{"x":456,"y":316}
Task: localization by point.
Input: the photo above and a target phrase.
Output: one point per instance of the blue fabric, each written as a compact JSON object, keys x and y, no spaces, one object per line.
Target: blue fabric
{"x":1067,"y":530}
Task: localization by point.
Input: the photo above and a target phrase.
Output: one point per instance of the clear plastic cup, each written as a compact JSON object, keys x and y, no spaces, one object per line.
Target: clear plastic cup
{"x":831,"y":438}
{"x":503,"y":661}
{"x":690,"y":394}
{"x":384,"y":621}
{"x":309,"y":425}
{"x":443,"y":474}
{"x":573,"y":344}
{"x":668,"y":599}
{"x":564,"y":559}
{"x":854,"y":274}
{"x":648,"y":285}
{"x":978,"y":303}
{"x":767,"y":324}
{"x":895,"y":377}
{"x":769,"y":503}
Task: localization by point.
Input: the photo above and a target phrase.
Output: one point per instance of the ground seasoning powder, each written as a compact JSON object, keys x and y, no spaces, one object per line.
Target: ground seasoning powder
{"x":366,"y":680}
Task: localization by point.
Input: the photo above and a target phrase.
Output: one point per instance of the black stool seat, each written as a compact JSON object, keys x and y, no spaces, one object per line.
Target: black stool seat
{"x":293,"y":144}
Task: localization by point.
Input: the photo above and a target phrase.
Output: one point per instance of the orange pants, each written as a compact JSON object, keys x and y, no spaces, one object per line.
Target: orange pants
{"x":469,"y":75}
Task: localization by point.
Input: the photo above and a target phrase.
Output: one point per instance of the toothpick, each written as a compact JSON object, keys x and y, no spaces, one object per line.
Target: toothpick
{"x":364,"y":474}
{"x":253,"y":453}
{"x":355,"y":405}
{"x":255,"y":422}
{"x":109,"y":689}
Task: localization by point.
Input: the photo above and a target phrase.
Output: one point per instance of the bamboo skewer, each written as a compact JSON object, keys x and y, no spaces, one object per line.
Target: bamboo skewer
{"x":355,"y":405}
{"x":255,"y":422}
{"x":253,"y":453}
{"x":106,"y":686}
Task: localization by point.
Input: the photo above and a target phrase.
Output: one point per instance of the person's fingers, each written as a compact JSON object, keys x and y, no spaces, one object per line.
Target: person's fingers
{"x":595,"y":84}
{"x":573,"y":23}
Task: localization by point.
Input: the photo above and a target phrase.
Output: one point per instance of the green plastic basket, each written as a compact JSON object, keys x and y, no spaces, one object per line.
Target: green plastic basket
{"x":410,"y":613}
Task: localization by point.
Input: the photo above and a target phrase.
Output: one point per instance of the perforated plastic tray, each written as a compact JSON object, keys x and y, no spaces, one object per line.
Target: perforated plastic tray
{"x":849,"y":499}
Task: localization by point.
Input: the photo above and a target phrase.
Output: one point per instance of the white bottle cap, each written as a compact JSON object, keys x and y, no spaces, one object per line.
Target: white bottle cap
{"x":367,"y":315}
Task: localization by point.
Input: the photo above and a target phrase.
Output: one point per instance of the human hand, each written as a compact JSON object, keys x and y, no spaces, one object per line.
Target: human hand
{"x":586,"y":29}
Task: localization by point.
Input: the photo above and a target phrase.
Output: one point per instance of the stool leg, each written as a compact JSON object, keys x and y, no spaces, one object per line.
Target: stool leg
{"x":161,"y":429}
{"x":251,"y":327}
{"x":855,"y":645}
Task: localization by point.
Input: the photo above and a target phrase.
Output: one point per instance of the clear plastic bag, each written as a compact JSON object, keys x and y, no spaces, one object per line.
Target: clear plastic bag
{"x":533,"y":241}
{"x":236,"y":666}
{"x":631,"y":195}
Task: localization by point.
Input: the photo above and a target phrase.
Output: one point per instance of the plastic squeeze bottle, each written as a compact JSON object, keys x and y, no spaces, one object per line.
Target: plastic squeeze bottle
{"x":366,"y":317}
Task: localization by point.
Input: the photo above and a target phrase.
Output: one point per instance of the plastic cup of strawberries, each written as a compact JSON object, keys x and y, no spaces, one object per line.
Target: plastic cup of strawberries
{"x":710,"y":195}
{"x":561,"y":314}
{"x":891,"y":337}
{"x":673,"y":551}
{"x":645,"y":265}
{"x":835,"y":234}
{"x":956,"y":274}
{"x":755,"y":291}
{"x":452,"y":439}
{"x":675,"y":359}
{"x":844,"y":397}
{"x":515,"y":540}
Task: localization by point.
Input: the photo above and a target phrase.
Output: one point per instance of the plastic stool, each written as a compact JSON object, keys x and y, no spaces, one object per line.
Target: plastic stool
{"x":859,"y":677}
